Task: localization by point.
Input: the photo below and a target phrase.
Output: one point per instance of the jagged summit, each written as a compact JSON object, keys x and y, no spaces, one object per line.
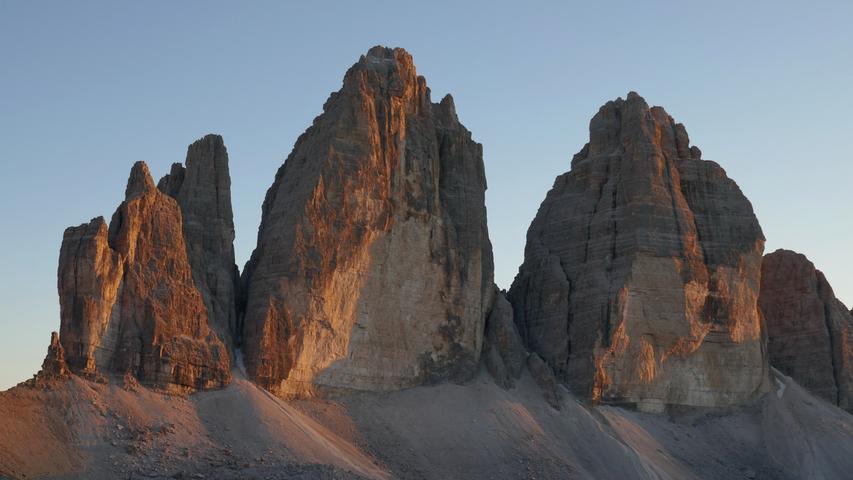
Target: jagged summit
{"x":139,"y":181}
{"x":624,"y":124}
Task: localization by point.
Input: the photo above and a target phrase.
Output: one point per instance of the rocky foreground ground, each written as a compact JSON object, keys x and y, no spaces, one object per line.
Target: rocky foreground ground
{"x":77,"y":428}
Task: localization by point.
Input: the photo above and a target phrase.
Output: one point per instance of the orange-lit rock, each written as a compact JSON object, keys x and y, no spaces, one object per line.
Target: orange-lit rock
{"x":373,"y":268}
{"x":128,"y":302}
{"x":641,"y":272}
{"x":202,"y":189}
{"x":810,"y":332}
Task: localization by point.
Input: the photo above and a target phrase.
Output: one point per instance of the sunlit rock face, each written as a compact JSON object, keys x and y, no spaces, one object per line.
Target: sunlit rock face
{"x":641,"y":272}
{"x":202,"y":189}
{"x":128,"y":301}
{"x":810,"y":332}
{"x":373,"y":268}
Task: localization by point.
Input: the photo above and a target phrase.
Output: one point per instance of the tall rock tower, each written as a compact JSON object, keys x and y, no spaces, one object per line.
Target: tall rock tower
{"x":810,"y":332}
{"x":373,"y":268}
{"x":641,"y":271}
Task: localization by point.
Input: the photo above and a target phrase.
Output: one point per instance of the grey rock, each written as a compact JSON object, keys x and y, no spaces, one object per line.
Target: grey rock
{"x":504,"y":352}
{"x":641,"y":271}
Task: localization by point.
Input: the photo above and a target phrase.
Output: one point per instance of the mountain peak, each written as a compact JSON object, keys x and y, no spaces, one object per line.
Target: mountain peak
{"x":139,"y":181}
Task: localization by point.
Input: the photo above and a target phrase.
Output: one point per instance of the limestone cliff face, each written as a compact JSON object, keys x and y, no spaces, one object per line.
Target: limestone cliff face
{"x":641,"y":272}
{"x":202,"y":189}
{"x":810,"y":332}
{"x":128,"y":302}
{"x":373,"y":268}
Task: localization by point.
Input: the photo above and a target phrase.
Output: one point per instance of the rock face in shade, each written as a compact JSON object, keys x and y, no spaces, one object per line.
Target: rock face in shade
{"x":641,"y":271}
{"x":202,"y":189}
{"x":810,"y":332}
{"x":373,"y":268}
{"x":503,"y":351}
{"x":128,"y":302}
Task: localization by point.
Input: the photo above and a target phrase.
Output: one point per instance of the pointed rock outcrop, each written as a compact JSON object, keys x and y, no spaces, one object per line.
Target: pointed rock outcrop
{"x":373,"y":267}
{"x":641,"y":271}
{"x":810,"y":332}
{"x":54,"y":365}
{"x":202,"y":189}
{"x":503,"y":351}
{"x":128,"y":302}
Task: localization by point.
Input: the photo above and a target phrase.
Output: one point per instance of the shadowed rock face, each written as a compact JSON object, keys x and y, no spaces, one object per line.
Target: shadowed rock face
{"x":641,"y":271}
{"x":202,"y":189}
{"x":810,"y":332}
{"x":503,"y":351}
{"x":373,"y":268}
{"x":128,"y":302}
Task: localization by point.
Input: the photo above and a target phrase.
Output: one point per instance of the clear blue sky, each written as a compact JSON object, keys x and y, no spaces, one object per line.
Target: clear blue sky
{"x":87,"y":88}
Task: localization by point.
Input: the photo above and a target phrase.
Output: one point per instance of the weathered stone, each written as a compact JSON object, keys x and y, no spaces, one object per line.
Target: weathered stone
{"x":544,"y":377}
{"x":203,"y":191}
{"x":54,"y":366}
{"x":504,"y":352}
{"x":810,"y":332}
{"x":128,"y":302}
{"x":373,"y":268}
{"x":641,"y":271}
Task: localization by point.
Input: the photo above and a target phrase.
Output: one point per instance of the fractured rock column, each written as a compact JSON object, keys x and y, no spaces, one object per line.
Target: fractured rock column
{"x":202,"y":189}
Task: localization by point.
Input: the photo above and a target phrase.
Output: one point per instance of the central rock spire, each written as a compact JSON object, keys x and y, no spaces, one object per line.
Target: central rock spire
{"x":373,"y":268}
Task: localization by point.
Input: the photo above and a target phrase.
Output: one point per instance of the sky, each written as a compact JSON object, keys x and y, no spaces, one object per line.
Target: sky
{"x":88,"y":88}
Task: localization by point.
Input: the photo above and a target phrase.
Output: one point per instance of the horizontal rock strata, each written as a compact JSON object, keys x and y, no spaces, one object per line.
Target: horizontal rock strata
{"x":641,"y":271}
